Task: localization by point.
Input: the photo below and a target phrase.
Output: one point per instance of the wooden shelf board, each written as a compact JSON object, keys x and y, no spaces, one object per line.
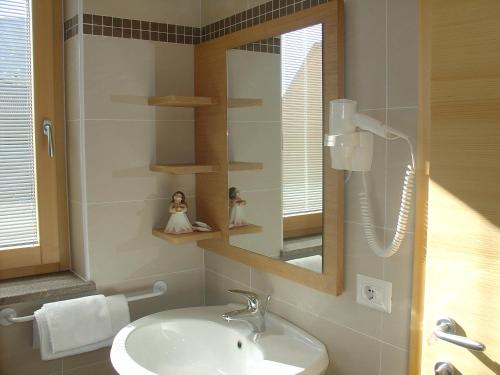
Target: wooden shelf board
{"x":185,"y":237}
{"x":182,"y":168}
{"x":244,"y":166}
{"x":245,"y":229}
{"x":181,"y":101}
{"x":243,"y":102}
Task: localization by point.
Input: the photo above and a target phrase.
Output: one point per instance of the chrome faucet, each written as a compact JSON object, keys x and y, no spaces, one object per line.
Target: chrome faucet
{"x":254,"y":314}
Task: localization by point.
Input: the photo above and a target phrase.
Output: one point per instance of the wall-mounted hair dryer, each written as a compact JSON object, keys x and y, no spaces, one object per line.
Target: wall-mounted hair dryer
{"x":351,"y":148}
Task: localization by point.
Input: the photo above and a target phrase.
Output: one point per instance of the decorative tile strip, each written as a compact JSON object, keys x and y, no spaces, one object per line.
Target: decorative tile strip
{"x":270,"y":45}
{"x":94,"y":24}
{"x":262,"y":13}
{"x":70,"y":27}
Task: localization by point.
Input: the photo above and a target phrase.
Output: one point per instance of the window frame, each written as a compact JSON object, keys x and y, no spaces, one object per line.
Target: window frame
{"x":52,"y":254}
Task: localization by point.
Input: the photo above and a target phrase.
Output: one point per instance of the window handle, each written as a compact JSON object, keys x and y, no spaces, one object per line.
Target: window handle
{"x":47,"y":131}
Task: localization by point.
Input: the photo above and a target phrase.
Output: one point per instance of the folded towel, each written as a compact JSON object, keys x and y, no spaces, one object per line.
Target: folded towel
{"x":118,"y":313}
{"x":77,"y":322}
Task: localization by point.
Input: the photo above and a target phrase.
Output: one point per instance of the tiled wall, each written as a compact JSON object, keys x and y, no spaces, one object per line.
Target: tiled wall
{"x":381,"y":59}
{"x":112,"y":137}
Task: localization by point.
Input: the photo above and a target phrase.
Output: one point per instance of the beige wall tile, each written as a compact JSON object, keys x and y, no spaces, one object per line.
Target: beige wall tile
{"x":398,"y":157}
{"x":77,"y":238}
{"x":398,"y":270}
{"x":72,"y":79}
{"x":180,"y":12}
{"x":119,"y":153}
{"x":70,"y":8}
{"x":85,"y":359}
{"x":100,"y":368}
{"x":120,"y":74}
{"x":253,"y":3}
{"x":185,"y":289}
{"x":228,"y":267}
{"x":365,"y":52}
{"x":350,"y":352}
{"x":393,"y":361}
{"x":214,"y":10}
{"x":402,"y":53}
{"x":121,"y":246}
{"x":216,"y":289}
{"x":74,"y":144}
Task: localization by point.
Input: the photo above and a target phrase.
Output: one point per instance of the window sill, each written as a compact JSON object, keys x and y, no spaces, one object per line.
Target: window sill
{"x":51,"y":285}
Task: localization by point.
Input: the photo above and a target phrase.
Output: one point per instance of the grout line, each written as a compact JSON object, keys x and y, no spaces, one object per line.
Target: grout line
{"x":135,"y":120}
{"x":135,"y":200}
{"x":226,"y":277}
{"x":387,"y":108}
{"x":83,"y":366}
{"x":154,"y":275}
{"x":376,"y":226}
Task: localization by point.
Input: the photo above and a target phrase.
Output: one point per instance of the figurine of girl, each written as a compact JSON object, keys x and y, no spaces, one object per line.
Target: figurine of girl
{"x":178,"y":222}
{"x":237,"y":208}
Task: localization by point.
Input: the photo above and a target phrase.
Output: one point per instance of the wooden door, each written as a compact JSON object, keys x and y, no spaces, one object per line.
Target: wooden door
{"x":457,"y":260}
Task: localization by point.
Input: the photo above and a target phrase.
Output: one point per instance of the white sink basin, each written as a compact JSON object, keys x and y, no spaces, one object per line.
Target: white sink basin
{"x":198,"y":341}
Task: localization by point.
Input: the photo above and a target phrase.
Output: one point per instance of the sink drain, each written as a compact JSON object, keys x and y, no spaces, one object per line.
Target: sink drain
{"x":239,"y":344}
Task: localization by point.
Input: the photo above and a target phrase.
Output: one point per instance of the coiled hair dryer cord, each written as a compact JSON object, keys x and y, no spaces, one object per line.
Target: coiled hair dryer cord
{"x":403,"y":216}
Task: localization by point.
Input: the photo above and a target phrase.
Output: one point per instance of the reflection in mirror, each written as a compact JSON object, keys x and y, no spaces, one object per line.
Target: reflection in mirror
{"x":275,"y":126}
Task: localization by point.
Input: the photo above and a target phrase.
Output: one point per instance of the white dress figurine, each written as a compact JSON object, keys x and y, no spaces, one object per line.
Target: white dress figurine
{"x":178,"y":222}
{"x":237,"y":208}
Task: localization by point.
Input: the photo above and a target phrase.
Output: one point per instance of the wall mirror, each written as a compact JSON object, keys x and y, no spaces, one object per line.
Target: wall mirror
{"x":274,"y":197}
{"x":275,"y":146}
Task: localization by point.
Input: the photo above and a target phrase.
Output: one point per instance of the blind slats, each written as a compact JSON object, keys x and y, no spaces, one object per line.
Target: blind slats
{"x":18,"y":208}
{"x":302,"y":119}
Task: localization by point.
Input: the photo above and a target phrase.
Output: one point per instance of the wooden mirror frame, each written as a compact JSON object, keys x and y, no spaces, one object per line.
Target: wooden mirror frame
{"x":211,"y":144}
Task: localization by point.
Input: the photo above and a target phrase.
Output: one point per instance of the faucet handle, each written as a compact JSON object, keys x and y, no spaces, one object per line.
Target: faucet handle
{"x":251,"y":297}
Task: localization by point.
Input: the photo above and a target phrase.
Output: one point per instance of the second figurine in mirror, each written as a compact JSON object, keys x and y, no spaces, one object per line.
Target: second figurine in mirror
{"x":236,"y":208}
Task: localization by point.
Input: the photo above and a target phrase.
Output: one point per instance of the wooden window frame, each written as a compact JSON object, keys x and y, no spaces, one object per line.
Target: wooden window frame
{"x":302,"y":225}
{"x":52,"y":254}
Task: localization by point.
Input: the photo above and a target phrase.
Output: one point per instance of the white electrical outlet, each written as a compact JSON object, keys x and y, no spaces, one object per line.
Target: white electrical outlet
{"x":374,"y":293}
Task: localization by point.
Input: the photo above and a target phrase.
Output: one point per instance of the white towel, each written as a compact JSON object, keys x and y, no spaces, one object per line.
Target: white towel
{"x":119,"y":317}
{"x":77,"y":322}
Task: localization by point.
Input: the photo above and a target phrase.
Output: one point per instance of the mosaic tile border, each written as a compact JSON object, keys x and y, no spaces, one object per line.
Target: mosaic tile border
{"x":270,"y":45}
{"x":100,"y":25}
{"x":259,"y":14}
{"x":70,"y":27}
{"x":94,"y":24}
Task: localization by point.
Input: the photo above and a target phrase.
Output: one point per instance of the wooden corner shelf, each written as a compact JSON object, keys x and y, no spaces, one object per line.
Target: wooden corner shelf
{"x":245,"y":229}
{"x":243,"y":102}
{"x":182,"y":168}
{"x":185,"y":237}
{"x":244,"y":166}
{"x":181,"y":101}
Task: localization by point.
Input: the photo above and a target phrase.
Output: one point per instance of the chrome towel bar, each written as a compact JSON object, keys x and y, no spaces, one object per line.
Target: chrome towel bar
{"x":9,"y":316}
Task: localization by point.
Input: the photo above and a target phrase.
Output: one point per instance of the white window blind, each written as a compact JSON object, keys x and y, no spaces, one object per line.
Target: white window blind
{"x":18,"y":208}
{"x":302,"y":120}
